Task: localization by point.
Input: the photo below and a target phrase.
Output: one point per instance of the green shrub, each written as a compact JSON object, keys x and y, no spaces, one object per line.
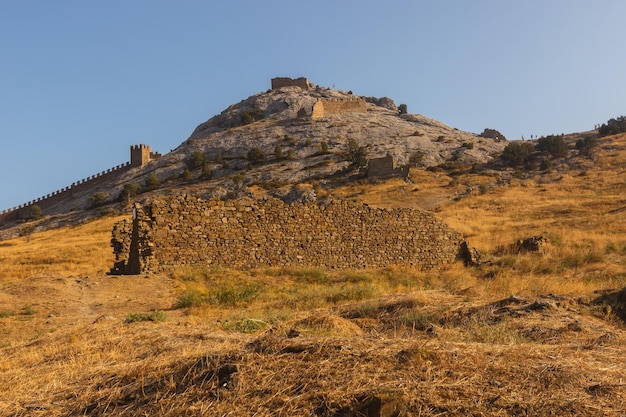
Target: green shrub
{"x":5,"y":314}
{"x":239,"y":179}
{"x":586,"y":146}
{"x":356,"y":154}
{"x":207,"y":172}
{"x":35,"y":212}
{"x":278,"y":152}
{"x":251,"y":116}
{"x":190,"y":298}
{"x":232,"y":296}
{"x":97,"y":199}
{"x":323,"y":147}
{"x":152,"y":182}
{"x":553,"y":145}
{"x":402,"y":109}
{"x":129,"y":192}
{"x":186,"y":175}
{"x":245,"y":325}
{"x":155,"y":315}
{"x":613,"y":126}
{"x":517,"y":153}
{"x":256,"y":155}
{"x":195,"y":160}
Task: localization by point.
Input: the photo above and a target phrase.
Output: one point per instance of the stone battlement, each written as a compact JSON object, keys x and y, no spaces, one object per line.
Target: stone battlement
{"x":247,"y":234}
{"x":139,"y":155}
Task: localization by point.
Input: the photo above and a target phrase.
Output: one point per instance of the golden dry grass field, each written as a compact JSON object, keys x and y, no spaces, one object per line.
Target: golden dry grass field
{"x":523,"y":334}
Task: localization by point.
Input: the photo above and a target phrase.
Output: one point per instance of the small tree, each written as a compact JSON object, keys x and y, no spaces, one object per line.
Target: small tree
{"x":187,"y":176}
{"x":35,"y":212}
{"x":129,"y":192}
{"x":278,"y":152}
{"x":256,"y":155}
{"x":554,"y":145}
{"x":586,"y":146}
{"x":323,"y":147}
{"x":517,"y":153}
{"x":207,"y":172}
{"x":251,"y":116}
{"x":239,"y":179}
{"x":402,"y":109}
{"x":152,"y":182}
{"x":196,"y":160}
{"x":97,"y":199}
{"x":356,"y":155}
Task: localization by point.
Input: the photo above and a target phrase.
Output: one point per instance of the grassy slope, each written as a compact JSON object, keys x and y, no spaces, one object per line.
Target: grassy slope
{"x":75,"y":341}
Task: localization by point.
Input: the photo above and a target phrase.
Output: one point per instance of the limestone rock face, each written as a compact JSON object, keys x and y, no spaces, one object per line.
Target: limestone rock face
{"x":315,"y":147}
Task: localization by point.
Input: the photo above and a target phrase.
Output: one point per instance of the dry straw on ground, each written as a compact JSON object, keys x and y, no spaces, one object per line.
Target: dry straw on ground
{"x":525,"y":334}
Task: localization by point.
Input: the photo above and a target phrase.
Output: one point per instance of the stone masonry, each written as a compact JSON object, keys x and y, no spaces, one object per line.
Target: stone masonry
{"x":250,"y":234}
{"x":280,"y":82}
{"x":325,"y":107}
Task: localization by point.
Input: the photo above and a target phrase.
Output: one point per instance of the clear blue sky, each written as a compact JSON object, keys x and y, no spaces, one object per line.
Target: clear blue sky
{"x":80,"y":81}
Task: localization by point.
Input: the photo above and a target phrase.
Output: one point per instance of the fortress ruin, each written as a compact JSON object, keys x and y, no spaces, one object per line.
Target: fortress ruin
{"x":280,"y":82}
{"x":248,"y":234}
{"x":325,"y":107}
{"x":140,"y":155}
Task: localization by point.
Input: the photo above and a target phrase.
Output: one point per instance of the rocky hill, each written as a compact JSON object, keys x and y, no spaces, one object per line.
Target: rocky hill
{"x":279,"y":140}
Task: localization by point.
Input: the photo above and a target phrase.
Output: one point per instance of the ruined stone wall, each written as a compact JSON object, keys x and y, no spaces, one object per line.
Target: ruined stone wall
{"x":45,"y":202}
{"x":139,"y":156}
{"x":246,"y":234}
{"x":330,"y":106}
{"x":384,"y":168}
{"x":280,"y":82}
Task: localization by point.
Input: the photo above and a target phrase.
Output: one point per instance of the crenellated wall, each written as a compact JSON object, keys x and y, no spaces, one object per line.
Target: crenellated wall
{"x":324,"y":107}
{"x":139,"y":155}
{"x":247,"y":234}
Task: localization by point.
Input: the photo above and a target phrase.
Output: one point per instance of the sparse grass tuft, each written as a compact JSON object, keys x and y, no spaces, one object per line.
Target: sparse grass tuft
{"x":155,"y":315}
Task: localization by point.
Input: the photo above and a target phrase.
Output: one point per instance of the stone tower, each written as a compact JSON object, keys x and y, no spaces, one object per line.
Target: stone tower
{"x":139,"y":155}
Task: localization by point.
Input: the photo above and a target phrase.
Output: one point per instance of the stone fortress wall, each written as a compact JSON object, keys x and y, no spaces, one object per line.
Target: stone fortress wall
{"x":325,"y":107}
{"x":280,"y":82}
{"x":139,"y":155}
{"x":245,"y":234}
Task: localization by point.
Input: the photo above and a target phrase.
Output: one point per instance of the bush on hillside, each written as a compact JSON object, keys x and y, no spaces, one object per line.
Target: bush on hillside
{"x":251,"y":116}
{"x":586,"y":146}
{"x":553,"y":145}
{"x":35,"y":212}
{"x":356,"y":155}
{"x":195,"y":160}
{"x":207,"y":172}
{"x":517,"y":153}
{"x":256,"y":155}
{"x":97,"y":199}
{"x":152,"y":182}
{"x":613,"y":126}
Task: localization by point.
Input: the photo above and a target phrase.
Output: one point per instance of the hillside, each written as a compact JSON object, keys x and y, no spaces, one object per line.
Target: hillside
{"x":295,"y":149}
{"x":523,"y":334}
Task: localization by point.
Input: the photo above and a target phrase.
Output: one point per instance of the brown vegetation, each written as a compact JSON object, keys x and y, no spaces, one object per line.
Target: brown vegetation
{"x":523,"y":334}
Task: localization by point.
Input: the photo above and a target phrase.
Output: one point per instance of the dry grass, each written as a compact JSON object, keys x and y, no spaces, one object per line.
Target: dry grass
{"x":78,"y":250}
{"x":522,"y":335}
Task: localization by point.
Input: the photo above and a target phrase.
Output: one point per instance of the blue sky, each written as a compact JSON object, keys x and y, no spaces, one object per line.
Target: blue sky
{"x":81,"y":81}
